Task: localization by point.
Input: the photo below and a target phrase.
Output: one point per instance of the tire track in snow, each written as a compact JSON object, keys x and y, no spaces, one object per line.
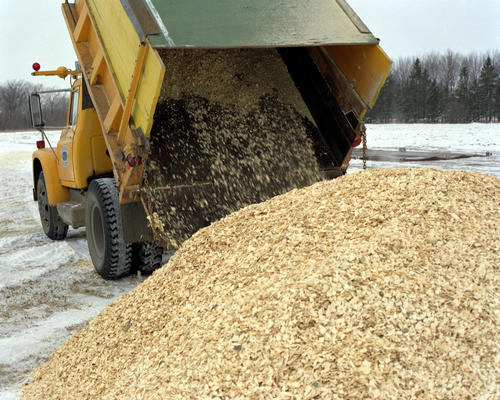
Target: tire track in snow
{"x":48,"y":289}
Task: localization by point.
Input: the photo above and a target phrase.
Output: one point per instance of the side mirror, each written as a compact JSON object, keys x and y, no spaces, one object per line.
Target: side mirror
{"x":36,"y":111}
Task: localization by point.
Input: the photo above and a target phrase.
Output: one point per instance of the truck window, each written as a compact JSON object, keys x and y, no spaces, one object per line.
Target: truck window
{"x":73,"y":112}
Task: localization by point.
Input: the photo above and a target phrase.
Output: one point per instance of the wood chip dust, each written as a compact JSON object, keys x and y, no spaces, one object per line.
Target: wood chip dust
{"x":382,"y":284}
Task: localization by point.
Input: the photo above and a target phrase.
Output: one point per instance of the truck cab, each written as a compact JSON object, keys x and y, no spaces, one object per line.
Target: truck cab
{"x":79,"y":156}
{"x":81,"y":148}
{"x":62,"y":176}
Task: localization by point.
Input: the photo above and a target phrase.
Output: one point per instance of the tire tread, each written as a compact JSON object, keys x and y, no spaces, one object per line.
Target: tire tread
{"x":146,"y":257}
{"x":118,"y":256}
{"x":57,"y":229}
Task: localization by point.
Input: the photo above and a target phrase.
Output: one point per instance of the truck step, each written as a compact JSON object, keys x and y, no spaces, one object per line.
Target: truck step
{"x":72,"y":213}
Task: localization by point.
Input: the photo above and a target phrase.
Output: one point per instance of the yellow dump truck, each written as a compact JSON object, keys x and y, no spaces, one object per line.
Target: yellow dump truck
{"x":181,"y":112}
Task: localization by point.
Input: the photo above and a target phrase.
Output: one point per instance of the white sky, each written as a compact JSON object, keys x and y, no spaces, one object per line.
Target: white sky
{"x":34,"y":30}
{"x":415,"y":27}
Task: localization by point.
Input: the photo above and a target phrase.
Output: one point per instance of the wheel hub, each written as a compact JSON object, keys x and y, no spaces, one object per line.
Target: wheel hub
{"x":97,"y":231}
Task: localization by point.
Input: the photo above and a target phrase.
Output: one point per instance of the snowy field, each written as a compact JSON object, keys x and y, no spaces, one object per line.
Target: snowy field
{"x":49,"y":290}
{"x":454,"y":138}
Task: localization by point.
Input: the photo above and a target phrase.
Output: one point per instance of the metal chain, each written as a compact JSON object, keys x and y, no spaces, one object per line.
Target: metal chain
{"x":363,"y":136}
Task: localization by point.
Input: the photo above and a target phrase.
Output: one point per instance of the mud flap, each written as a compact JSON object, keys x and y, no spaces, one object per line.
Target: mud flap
{"x":135,"y":224}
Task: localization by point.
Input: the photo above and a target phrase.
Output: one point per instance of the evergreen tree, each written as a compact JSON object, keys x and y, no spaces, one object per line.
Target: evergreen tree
{"x":487,"y":90}
{"x":425,"y":86}
{"x":462,"y":96}
{"x":418,"y":94}
{"x":384,"y":110}
{"x":404,"y":101}
{"x":412,"y":109}
{"x":473,"y":103}
{"x":433,"y":102}
{"x":497,"y":100}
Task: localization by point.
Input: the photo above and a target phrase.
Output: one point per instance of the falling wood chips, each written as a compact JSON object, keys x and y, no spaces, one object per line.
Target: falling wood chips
{"x":381,"y":284}
{"x":231,"y":129}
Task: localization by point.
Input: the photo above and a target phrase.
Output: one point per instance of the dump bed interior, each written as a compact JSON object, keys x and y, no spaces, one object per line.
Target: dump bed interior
{"x":228,"y":102}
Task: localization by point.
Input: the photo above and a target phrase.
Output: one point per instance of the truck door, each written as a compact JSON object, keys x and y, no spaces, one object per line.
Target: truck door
{"x":65,"y":145}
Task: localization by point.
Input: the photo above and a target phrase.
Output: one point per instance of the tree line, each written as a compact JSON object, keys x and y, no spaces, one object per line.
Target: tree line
{"x":450,"y":87}
{"x":14,"y":108}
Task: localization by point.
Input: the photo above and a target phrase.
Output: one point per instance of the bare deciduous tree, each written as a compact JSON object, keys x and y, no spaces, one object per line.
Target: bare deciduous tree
{"x":14,"y":110}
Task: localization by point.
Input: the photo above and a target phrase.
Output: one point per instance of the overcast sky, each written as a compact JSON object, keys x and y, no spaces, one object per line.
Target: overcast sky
{"x":34,"y":30}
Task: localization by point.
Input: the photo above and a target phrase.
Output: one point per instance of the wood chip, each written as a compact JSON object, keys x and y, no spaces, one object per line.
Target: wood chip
{"x":362,"y":287}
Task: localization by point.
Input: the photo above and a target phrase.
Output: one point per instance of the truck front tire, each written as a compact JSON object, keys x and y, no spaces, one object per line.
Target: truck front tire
{"x":52,"y":224}
{"x":110,"y":254}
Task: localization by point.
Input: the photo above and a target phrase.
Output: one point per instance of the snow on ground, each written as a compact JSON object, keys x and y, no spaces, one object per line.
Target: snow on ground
{"x":49,"y":290}
{"x":456,"y":138}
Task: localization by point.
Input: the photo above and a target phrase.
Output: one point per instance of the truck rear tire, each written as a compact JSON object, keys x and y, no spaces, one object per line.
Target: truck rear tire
{"x":110,"y":254}
{"x":146,"y":257}
{"x":52,"y":224}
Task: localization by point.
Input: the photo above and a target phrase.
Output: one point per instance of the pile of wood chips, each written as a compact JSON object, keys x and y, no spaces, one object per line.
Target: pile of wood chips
{"x":380,"y":284}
